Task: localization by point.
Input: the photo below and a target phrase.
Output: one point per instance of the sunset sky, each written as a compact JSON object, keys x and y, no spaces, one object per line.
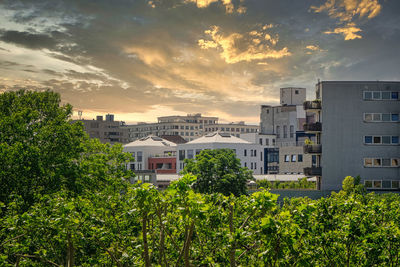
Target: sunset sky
{"x":142,"y":59}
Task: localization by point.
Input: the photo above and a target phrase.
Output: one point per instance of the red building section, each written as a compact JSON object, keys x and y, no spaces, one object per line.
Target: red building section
{"x":162,"y":164}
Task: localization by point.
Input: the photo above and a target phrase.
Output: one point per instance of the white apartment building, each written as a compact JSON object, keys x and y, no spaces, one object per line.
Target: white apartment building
{"x":251,"y":155}
{"x":148,"y":147}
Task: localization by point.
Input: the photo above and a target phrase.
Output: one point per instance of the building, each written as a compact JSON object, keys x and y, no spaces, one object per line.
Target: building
{"x":107,"y":131}
{"x":250,"y":154}
{"x":189,"y":127}
{"x":152,"y":153}
{"x":271,"y":153}
{"x":357,"y":133}
{"x":286,"y":123}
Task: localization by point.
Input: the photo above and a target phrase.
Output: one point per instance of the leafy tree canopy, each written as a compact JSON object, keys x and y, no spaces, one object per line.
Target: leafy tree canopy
{"x":218,"y":171}
{"x":42,"y":152}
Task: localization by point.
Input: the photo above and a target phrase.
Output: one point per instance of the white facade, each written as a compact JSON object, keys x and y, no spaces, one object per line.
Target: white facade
{"x":250,"y":155}
{"x":150,"y":146}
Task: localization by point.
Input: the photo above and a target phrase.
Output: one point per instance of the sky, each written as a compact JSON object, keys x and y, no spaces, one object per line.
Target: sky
{"x":141,"y":59}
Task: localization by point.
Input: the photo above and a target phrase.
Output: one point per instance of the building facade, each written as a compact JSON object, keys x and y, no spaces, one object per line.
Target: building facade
{"x":286,"y":123}
{"x":250,"y":155}
{"x":152,"y":153}
{"x":358,"y":128}
{"x":189,"y":127}
{"x":107,"y":131}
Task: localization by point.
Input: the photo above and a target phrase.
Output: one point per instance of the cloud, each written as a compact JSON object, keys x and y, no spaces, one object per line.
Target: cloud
{"x":29,"y":40}
{"x":349,"y":31}
{"x":348,"y":12}
{"x":314,"y":48}
{"x":236,"y":47}
{"x":227,"y":4}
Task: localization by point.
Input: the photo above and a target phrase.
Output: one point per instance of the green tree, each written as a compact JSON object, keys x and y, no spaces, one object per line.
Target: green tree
{"x":218,"y":171}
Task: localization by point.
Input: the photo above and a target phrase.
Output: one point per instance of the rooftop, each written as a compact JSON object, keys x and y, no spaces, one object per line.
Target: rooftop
{"x":218,"y":137}
{"x":151,"y":140}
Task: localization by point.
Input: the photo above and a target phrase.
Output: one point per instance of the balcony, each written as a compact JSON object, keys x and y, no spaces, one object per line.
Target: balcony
{"x":313,"y":127}
{"x":313,"y":171}
{"x":312,"y":105}
{"x":312,"y":149}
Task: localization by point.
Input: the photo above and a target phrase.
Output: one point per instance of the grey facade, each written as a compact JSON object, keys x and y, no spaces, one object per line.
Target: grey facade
{"x":107,"y":131}
{"x":359,"y":133}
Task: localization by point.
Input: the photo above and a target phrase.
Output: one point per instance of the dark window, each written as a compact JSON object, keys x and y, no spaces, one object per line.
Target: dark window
{"x":367,"y":95}
{"x":245,"y":152}
{"x":377,"y":139}
{"x":395,"y":139}
{"x":139,"y":156}
{"x":368,"y":139}
{"x":395,"y":95}
{"x":181,"y":154}
{"x":395,"y":117}
{"x":261,"y":141}
{"x":300,"y":158}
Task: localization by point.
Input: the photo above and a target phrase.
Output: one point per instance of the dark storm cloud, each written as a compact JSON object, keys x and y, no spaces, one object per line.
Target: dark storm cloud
{"x":29,"y":40}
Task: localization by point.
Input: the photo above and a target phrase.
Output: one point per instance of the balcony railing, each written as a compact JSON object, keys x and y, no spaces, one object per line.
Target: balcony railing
{"x":313,"y":171}
{"x":313,"y":127}
{"x":312,"y":149}
{"x":312,"y":105}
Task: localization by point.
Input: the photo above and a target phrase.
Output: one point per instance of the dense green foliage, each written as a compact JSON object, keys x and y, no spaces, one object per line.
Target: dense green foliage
{"x":302,"y":183}
{"x":144,"y":226}
{"x":218,"y":171}
{"x":42,"y":152}
{"x":93,"y":217}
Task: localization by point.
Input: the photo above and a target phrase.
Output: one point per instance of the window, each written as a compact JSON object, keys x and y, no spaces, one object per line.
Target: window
{"x":395,"y":184}
{"x":266,"y":141}
{"x":296,"y":92}
{"x":181,"y":154}
{"x":139,"y":156}
{"x":386,"y":117}
{"x":286,"y":158}
{"x":251,"y":164}
{"x":386,"y":95}
{"x":367,"y":95}
{"x":381,"y":95}
{"x":284,"y":131}
{"x":377,"y":184}
{"x":367,"y":117}
{"x":255,"y":165}
{"x":261,"y":141}
{"x":386,"y":140}
{"x":395,"y":117}
{"x":132,"y":166}
{"x":261,"y":156}
{"x":368,"y":139}
{"x":245,"y":152}
{"x":293,"y":158}
{"x":381,"y":140}
{"x":245,"y":164}
{"x":278,"y":132}
{"x":381,"y":162}
{"x":395,"y":140}
{"x":385,"y":162}
{"x":198,"y":151}
{"x":190,"y":153}
{"x":377,"y":139}
{"x":376,"y":117}
{"x":368,"y":184}
{"x":255,"y":153}
{"x":300,"y":158}
{"x":291,"y":131}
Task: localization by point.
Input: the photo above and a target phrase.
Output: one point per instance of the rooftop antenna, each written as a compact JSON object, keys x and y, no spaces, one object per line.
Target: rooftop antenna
{"x":80,"y":114}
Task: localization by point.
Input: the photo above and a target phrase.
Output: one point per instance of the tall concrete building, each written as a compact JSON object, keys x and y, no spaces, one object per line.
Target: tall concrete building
{"x":357,"y":133}
{"x":286,"y":123}
{"x":107,"y":131}
{"x":189,"y":127}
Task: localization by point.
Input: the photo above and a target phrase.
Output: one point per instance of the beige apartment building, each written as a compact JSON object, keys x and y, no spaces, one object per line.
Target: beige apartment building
{"x":190,"y":127}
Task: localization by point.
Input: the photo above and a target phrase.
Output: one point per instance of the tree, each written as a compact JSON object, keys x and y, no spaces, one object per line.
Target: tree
{"x":218,"y":171}
{"x":42,"y":152}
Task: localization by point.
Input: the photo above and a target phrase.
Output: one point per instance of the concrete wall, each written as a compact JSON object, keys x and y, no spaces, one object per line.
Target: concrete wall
{"x":292,"y":96}
{"x":294,"y":167}
{"x":343,"y":130}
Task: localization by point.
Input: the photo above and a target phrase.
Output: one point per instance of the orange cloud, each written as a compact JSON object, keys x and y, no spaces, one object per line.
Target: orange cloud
{"x":349,"y":31}
{"x":347,"y":11}
{"x":314,"y":48}
{"x":237,"y":47}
